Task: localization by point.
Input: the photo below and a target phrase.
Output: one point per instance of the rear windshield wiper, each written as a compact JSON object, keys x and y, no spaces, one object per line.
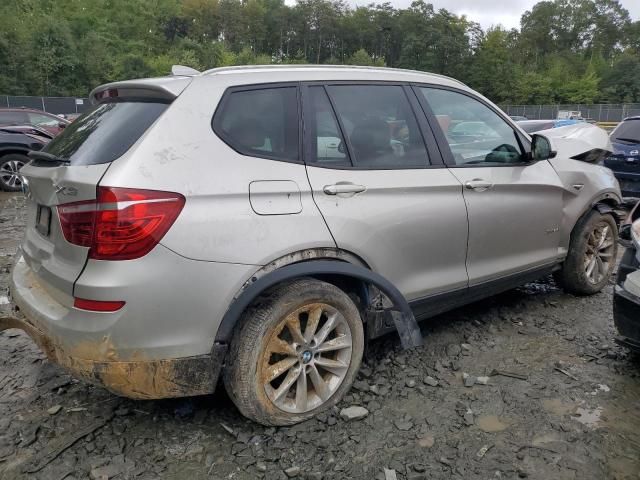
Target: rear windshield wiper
{"x":631,"y":140}
{"x":37,"y":155}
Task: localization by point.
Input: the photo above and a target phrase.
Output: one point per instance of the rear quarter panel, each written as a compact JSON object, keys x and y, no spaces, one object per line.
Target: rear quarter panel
{"x":181,"y":153}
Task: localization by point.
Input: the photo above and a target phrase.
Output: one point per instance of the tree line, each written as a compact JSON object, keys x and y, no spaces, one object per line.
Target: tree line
{"x":565,"y":51}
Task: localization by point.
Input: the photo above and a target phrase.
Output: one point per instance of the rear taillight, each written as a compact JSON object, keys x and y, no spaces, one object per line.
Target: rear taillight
{"x":122,"y":224}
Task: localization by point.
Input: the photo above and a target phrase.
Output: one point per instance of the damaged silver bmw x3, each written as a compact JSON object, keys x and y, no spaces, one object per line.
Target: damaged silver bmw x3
{"x":263,"y":223}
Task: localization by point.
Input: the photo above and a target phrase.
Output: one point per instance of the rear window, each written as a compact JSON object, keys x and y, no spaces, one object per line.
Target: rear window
{"x":106,"y":132}
{"x":627,"y":132}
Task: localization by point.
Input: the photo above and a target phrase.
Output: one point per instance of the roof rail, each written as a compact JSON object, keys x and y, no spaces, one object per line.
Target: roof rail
{"x":240,"y":68}
{"x":181,"y":70}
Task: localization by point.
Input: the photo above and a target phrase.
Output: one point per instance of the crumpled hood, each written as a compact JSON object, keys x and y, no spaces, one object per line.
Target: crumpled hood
{"x":577,"y":141}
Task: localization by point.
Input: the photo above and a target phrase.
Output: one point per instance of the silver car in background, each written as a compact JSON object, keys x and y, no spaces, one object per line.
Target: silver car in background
{"x":264,"y":223}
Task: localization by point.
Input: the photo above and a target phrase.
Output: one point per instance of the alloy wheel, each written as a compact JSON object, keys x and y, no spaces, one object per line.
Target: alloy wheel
{"x":9,"y":175}
{"x":599,"y":254}
{"x":306,"y":358}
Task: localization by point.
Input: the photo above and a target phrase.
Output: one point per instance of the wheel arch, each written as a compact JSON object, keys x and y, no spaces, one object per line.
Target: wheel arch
{"x":605,"y":203}
{"x":12,"y":150}
{"x":333,"y":267}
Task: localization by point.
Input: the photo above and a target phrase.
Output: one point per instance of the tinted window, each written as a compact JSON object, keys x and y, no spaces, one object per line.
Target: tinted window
{"x":476,"y":134}
{"x":627,"y":132}
{"x":106,"y":132}
{"x":13,"y":118}
{"x":380,"y":125}
{"x":326,"y":137}
{"x":261,"y":123}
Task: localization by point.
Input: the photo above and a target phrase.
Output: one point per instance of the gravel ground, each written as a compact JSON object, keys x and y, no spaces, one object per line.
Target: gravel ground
{"x":572,"y":409}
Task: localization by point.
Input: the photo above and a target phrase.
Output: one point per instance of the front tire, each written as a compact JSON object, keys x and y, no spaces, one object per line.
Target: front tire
{"x":10,"y":179}
{"x":296,"y":353}
{"x":592,"y":255}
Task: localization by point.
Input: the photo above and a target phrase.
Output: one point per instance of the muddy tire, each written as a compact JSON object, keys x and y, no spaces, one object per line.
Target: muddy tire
{"x":296,"y":353}
{"x":10,"y":179}
{"x":592,"y":255}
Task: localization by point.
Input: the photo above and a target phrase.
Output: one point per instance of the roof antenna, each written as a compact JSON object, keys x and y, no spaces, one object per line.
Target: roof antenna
{"x":184,"y":71}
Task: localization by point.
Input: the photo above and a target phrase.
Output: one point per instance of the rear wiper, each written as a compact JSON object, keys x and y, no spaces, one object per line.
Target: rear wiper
{"x":632,"y":140}
{"x":37,"y":155}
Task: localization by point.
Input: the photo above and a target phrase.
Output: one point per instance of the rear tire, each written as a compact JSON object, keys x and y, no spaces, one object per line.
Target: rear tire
{"x":296,"y":353}
{"x":592,"y":255}
{"x":10,"y":179}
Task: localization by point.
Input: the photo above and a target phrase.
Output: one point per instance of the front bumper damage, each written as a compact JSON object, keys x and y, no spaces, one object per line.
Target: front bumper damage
{"x":139,"y":379}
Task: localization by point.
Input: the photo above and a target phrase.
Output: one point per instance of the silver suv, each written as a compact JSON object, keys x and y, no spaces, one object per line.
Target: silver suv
{"x":263,"y":223}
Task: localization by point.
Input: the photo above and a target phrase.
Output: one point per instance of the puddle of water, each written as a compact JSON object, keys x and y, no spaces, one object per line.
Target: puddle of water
{"x":590,"y":418}
{"x":557,"y":406}
{"x":491,"y":424}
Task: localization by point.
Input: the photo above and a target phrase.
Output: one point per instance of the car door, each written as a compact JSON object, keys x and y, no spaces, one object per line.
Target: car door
{"x":369,"y":171}
{"x":514,"y":205}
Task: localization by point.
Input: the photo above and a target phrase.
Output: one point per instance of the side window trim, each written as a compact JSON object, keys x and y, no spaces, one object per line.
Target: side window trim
{"x":431,"y":161}
{"x":443,"y":144}
{"x":310,"y":128}
{"x":435,"y":159}
{"x":222,"y":103}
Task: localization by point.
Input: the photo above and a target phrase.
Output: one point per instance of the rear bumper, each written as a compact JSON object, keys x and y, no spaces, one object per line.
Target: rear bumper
{"x":151,"y":379}
{"x":626,"y":301}
{"x":161,"y":344}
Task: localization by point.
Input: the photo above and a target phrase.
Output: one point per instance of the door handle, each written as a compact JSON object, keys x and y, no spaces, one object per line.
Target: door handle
{"x":338,"y":188}
{"x":478,"y":184}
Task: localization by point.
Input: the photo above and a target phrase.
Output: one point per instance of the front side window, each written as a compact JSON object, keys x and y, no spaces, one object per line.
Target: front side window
{"x":475,"y":133}
{"x":380,"y":125}
{"x":261,"y":122}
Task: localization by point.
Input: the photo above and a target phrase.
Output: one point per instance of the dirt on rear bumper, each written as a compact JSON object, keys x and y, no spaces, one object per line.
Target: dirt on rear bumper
{"x":144,"y":379}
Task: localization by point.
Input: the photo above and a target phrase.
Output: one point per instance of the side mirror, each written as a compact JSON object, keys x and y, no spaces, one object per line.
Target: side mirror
{"x":62,"y":125}
{"x":541,"y":148}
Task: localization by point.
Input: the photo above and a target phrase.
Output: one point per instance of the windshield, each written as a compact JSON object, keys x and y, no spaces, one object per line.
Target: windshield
{"x":106,"y":132}
{"x":627,"y":132}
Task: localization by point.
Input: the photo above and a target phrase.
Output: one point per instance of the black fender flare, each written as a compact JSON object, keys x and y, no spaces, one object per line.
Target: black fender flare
{"x":404,"y":320}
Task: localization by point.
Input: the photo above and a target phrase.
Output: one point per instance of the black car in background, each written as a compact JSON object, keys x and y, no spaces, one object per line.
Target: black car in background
{"x":626,"y":297}
{"x":15,"y":142}
{"x":625,"y":159}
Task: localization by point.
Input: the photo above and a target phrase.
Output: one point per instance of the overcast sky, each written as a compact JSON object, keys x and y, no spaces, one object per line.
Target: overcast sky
{"x":492,"y":12}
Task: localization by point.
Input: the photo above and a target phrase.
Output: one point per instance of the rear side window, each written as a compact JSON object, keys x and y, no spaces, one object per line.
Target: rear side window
{"x":106,"y":132}
{"x":260,"y":122}
{"x":382,"y":130}
{"x":627,"y":132}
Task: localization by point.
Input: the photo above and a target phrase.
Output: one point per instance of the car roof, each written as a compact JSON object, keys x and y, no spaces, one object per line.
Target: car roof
{"x":636,"y":117}
{"x":334,"y":72}
{"x":171,"y":86}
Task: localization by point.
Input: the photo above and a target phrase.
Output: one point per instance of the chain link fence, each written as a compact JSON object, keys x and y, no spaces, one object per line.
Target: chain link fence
{"x":55,"y":105}
{"x":599,"y":113}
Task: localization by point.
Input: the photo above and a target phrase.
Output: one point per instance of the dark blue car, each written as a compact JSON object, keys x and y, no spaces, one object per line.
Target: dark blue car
{"x":625,"y":159}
